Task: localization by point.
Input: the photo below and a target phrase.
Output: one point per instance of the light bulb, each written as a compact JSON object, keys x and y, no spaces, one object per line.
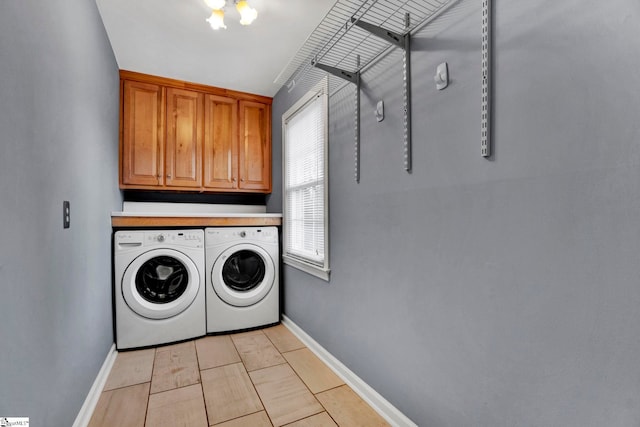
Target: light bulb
{"x":215,"y":4}
{"x":247,"y":13}
{"x":216,"y":20}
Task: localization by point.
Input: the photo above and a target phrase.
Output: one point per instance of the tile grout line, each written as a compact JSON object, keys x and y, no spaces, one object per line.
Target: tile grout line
{"x":286,"y":362}
{"x":125,"y":386}
{"x":194,"y":348}
{"x":153,"y":367}
{"x":299,"y":377}
{"x":251,"y":381}
{"x":204,"y":402}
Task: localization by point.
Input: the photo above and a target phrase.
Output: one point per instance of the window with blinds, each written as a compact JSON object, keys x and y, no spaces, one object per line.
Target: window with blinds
{"x":305,"y":220}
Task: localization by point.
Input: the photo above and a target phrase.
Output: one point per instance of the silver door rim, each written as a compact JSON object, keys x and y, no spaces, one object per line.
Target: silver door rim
{"x":151,"y":310}
{"x":237,"y":298}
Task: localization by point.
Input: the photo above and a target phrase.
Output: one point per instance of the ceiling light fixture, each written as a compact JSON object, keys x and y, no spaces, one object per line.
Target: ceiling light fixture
{"x":216,"y":20}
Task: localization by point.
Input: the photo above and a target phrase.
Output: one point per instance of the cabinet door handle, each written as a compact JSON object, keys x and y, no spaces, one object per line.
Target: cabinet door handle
{"x":168,"y":176}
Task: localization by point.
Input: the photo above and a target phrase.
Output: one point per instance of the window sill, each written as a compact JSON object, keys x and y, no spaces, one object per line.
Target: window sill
{"x":314,"y":270}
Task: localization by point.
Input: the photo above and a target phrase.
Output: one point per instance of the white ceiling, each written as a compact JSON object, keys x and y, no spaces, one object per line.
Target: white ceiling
{"x":170,"y":38}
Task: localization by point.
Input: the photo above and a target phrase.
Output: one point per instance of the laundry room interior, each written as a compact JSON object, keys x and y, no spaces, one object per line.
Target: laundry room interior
{"x":351,"y":213}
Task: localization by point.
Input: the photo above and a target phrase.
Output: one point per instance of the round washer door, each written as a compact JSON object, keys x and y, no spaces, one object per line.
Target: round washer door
{"x":243,"y":275}
{"x":160,"y":284}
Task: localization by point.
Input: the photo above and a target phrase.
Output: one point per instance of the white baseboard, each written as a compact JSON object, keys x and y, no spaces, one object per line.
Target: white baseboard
{"x":386,"y":410}
{"x":84,"y":416}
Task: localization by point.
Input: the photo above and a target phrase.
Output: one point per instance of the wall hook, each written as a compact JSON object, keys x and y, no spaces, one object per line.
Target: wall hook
{"x":442,"y":76}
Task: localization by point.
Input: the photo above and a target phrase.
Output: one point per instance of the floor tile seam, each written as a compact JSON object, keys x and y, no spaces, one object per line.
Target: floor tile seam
{"x":324,"y":409}
{"x":221,"y":366}
{"x":250,"y":334}
{"x":182,"y":359}
{"x":242,"y":360}
{"x":288,"y":351}
{"x":241,"y":416}
{"x":264,"y":408}
{"x":153,"y":368}
{"x":319,"y":392}
{"x":294,"y":350}
{"x":166,"y":349}
{"x":305,"y":417}
{"x":335,"y":387}
{"x":146,"y":412}
{"x":280,"y":364}
{"x":267,"y":367}
{"x":162,"y":348}
{"x":126,"y":386}
{"x":303,"y":383}
{"x":233,"y":342}
{"x":175,"y":388}
{"x":204,"y":400}
{"x":203,"y":356}
{"x":313,"y":415}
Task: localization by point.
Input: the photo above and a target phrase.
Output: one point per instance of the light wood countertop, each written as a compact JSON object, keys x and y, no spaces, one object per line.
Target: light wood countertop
{"x":142,"y":220}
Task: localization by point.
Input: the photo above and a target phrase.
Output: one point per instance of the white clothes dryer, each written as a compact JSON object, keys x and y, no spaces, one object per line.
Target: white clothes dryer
{"x":159,"y":289}
{"x":243,"y":288}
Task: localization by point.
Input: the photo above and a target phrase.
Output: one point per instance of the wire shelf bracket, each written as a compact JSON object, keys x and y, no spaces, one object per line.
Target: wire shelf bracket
{"x":402,"y":41}
{"x":356,"y":31}
{"x":351,"y":77}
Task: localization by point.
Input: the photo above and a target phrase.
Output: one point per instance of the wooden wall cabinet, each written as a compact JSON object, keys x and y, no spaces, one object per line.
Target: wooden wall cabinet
{"x":255,"y":146}
{"x":221,"y":142}
{"x":141,"y":123}
{"x":183,"y":142}
{"x":179,"y":136}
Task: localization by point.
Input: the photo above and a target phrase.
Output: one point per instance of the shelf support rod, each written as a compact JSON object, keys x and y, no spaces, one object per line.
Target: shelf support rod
{"x":356,"y":126}
{"x":352,"y":77}
{"x":485,"y":136}
{"x":403,"y":41}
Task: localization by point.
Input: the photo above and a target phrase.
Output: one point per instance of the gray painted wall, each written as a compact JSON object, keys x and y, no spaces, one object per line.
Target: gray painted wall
{"x":58,"y":141}
{"x":501,"y":292}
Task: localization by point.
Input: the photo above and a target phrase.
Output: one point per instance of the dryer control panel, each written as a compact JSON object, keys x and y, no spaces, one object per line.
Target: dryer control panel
{"x":226,"y":234}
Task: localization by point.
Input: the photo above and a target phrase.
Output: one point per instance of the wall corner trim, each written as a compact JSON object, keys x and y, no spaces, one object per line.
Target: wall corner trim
{"x":386,"y":410}
{"x":89,"y":405}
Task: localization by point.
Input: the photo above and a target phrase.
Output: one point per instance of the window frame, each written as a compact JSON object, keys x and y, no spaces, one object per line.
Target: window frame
{"x":320,"y":90}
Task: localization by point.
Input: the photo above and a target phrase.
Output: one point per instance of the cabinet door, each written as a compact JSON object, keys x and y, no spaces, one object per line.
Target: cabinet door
{"x":184,"y":138}
{"x":255,"y":146}
{"x":141,"y":158}
{"x":220,"y":142}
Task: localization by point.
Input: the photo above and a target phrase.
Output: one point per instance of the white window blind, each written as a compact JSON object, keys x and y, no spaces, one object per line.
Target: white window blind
{"x":305,"y":189}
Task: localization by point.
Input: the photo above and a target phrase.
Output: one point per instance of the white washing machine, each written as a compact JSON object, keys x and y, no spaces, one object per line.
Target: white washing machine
{"x":159,"y":289}
{"x":243,"y":288}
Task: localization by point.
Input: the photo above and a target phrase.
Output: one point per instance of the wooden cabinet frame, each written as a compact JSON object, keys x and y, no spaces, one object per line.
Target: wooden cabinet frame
{"x":181,"y":136}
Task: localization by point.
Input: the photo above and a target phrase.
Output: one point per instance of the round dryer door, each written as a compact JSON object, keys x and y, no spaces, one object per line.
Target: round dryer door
{"x":243,"y":275}
{"x":160,"y":284}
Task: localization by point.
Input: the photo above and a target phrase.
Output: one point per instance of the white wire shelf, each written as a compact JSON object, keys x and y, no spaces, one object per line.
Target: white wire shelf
{"x":338,"y":41}
{"x":355,"y":34}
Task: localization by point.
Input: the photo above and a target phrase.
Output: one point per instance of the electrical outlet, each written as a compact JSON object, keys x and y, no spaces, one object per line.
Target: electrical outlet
{"x":66,"y":214}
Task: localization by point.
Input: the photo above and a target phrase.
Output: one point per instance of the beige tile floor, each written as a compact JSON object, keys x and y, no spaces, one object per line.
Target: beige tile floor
{"x":253,"y":379}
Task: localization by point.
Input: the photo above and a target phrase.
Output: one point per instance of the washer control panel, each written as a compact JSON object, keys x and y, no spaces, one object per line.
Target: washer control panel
{"x":190,"y":238}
